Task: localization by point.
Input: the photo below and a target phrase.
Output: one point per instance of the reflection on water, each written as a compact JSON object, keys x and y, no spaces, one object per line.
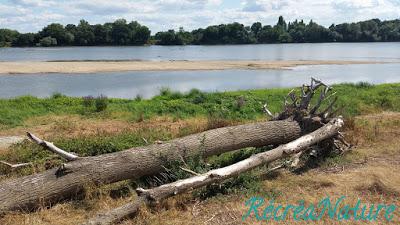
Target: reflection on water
{"x":148,"y":84}
{"x":306,"y":51}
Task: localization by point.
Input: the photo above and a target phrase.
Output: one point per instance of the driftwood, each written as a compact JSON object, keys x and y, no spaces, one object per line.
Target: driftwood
{"x":15,"y":166}
{"x":51,"y":147}
{"x":51,"y":186}
{"x":217,"y":175}
{"x":68,"y":180}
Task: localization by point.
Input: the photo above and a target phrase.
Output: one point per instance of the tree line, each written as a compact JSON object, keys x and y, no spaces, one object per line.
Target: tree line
{"x":120,"y":32}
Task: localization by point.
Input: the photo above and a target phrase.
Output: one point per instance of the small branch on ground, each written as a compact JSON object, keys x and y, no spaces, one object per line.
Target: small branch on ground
{"x":15,"y":166}
{"x":51,"y":147}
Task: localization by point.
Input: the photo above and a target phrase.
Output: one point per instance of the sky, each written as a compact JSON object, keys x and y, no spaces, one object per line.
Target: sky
{"x":33,"y":15}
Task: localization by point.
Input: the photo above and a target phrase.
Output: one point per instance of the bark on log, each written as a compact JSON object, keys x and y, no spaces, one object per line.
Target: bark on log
{"x":167,"y":190}
{"x":51,"y":186}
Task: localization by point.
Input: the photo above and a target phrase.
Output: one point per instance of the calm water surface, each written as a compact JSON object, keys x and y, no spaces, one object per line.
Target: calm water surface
{"x":148,"y":84}
{"x":324,"y":51}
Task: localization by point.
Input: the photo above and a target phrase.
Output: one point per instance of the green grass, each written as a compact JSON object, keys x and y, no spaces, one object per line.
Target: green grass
{"x":238,"y":105}
{"x":354,"y":99}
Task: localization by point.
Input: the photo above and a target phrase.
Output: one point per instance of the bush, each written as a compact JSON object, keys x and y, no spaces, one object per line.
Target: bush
{"x":101,"y":103}
{"x":57,"y":95}
{"x":88,"y":101}
{"x":164,"y":91}
{"x":363,"y":84}
{"x":138,"y":98}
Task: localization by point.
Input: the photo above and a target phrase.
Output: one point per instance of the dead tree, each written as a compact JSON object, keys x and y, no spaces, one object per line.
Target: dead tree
{"x":217,"y":175}
{"x":69,"y":179}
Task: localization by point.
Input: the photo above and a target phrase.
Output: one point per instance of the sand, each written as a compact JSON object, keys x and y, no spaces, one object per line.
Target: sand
{"x":120,"y":66}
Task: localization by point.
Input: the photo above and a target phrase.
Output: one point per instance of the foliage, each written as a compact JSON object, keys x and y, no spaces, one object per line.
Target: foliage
{"x":48,"y":41}
{"x":120,"y":32}
{"x":101,"y":103}
{"x":84,"y":34}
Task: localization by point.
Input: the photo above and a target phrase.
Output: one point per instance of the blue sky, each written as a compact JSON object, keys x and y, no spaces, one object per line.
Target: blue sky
{"x":32,"y":15}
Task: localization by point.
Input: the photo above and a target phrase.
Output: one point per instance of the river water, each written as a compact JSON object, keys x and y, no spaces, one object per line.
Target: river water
{"x":322,"y":51}
{"x":148,"y":84}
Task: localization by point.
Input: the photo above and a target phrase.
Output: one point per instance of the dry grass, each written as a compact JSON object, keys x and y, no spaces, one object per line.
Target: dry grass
{"x":369,"y":173}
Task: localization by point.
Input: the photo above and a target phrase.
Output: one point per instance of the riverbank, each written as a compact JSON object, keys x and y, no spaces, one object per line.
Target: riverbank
{"x":123,"y":66}
{"x":368,"y":172}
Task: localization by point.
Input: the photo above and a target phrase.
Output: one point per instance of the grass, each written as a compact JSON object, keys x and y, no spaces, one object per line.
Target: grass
{"x":239,"y":105}
{"x":74,"y":124}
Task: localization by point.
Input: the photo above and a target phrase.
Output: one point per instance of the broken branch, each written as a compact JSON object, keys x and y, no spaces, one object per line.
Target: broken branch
{"x":51,"y":147}
{"x":15,"y":166}
{"x":218,"y":175}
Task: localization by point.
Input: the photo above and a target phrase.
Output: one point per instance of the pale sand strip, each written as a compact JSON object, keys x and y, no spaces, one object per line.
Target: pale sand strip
{"x":119,"y":66}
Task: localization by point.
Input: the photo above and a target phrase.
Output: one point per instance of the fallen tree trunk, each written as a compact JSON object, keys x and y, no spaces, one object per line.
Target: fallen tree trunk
{"x":217,"y":175}
{"x":53,"y":185}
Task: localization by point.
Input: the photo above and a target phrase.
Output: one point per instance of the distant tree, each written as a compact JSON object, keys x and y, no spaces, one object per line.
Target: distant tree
{"x":139,"y":34}
{"x":120,"y":32}
{"x":185,"y":36}
{"x":84,"y":34}
{"x":28,"y":39}
{"x":102,"y":34}
{"x":317,"y":33}
{"x":282,"y":23}
{"x":57,"y":31}
{"x":7,"y":37}
{"x":256,"y":28}
{"x":48,"y":42}
{"x":297,"y":31}
{"x":168,"y":38}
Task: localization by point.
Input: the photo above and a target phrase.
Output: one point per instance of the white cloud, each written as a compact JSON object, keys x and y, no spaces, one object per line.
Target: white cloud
{"x":32,"y":15}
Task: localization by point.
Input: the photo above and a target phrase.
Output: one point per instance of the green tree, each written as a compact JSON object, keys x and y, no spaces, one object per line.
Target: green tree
{"x":84,"y":34}
{"x":168,"y":38}
{"x":120,"y":32}
{"x":48,"y":42}
{"x":256,"y":28}
{"x":7,"y":37}
{"x":57,"y":31}
{"x":28,"y":39}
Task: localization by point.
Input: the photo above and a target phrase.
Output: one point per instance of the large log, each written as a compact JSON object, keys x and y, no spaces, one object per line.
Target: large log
{"x":217,"y":175}
{"x":51,"y":186}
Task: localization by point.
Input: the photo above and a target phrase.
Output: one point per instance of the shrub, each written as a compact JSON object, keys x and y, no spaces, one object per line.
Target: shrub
{"x":138,"y":98}
{"x":363,"y":84}
{"x":88,"y":101}
{"x":101,"y":103}
{"x":165,"y":91}
{"x":56,"y":95}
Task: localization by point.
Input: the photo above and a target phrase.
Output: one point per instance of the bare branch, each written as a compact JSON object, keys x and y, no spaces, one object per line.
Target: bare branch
{"x":15,"y":166}
{"x":328,"y":111}
{"x":309,"y":93}
{"x":276,"y":168}
{"x":266,"y":110}
{"x":296,"y":159}
{"x":321,"y":98}
{"x":51,"y":147}
{"x":189,"y":171}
